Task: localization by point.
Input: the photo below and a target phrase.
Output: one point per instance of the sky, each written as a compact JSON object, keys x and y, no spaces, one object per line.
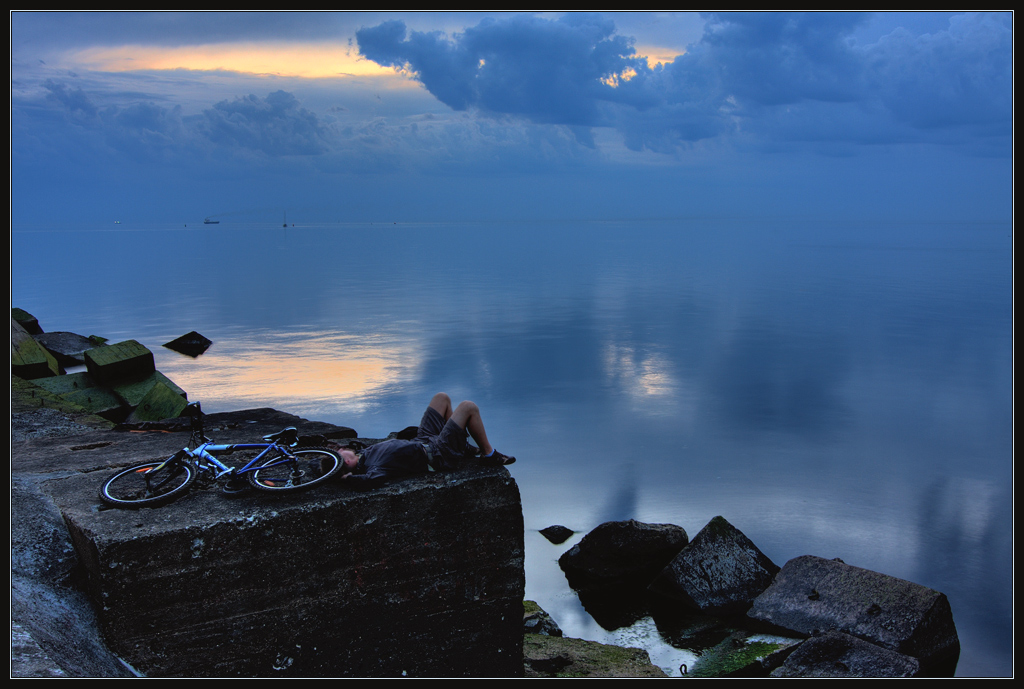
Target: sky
{"x":450,"y":117}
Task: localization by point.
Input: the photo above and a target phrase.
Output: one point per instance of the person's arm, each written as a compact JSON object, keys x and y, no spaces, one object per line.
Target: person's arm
{"x":371,"y":479}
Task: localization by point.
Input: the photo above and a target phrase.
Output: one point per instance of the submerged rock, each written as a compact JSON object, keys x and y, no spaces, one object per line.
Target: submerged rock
{"x":557,"y":533}
{"x":191,"y":344}
{"x":721,"y":571}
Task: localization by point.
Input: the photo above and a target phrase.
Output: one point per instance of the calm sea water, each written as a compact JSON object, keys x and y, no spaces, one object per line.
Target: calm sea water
{"x":833,"y":389}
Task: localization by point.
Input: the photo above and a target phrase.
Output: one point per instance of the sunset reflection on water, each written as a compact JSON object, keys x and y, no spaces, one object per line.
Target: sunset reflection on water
{"x":297,"y":370}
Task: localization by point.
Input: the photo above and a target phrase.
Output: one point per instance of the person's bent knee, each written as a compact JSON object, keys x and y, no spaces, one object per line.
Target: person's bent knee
{"x":468,"y":407}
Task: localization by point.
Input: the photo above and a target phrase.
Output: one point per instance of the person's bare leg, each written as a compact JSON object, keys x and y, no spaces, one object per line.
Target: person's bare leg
{"x":467,"y":415}
{"x":442,"y":404}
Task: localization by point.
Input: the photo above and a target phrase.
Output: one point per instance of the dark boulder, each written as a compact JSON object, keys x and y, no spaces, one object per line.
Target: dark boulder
{"x":812,"y":594}
{"x":617,"y":553}
{"x":834,"y":654}
{"x":721,"y":571}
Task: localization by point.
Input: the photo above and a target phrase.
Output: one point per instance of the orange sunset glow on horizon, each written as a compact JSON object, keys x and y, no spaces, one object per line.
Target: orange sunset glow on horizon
{"x":306,"y":60}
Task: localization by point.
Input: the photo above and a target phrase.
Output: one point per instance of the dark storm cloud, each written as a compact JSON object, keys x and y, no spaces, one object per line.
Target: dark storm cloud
{"x":547,"y":71}
{"x":745,"y":74}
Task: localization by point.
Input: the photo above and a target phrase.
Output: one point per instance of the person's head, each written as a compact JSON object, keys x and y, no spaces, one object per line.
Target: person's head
{"x":349,"y":461}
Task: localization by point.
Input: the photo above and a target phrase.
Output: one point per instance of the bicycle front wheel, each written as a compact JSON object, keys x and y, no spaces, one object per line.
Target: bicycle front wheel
{"x":149,"y":484}
{"x":310,"y":467}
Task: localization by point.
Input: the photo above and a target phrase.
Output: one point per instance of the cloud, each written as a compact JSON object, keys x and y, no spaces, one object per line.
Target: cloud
{"x":750,"y":73}
{"x":552,"y":72}
{"x":276,"y":125}
{"x":273,"y":126}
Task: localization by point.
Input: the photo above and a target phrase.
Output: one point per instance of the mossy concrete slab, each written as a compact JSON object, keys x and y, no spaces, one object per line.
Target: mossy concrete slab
{"x":161,"y":402}
{"x":134,"y":392}
{"x":29,"y":359}
{"x":26,"y":320}
{"x":96,"y":400}
{"x":119,"y":363}
{"x":71,"y":382}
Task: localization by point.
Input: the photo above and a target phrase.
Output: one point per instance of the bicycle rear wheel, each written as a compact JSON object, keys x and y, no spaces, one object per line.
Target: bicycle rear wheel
{"x":311,"y":467}
{"x":149,"y":484}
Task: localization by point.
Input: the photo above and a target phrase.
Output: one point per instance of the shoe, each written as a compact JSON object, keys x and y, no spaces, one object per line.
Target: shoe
{"x":496,"y":459}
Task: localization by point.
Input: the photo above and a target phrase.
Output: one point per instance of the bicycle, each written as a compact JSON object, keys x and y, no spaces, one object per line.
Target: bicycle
{"x":279,"y":467}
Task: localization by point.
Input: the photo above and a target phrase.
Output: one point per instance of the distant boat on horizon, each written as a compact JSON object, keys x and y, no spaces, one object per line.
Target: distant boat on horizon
{"x":207,"y":221}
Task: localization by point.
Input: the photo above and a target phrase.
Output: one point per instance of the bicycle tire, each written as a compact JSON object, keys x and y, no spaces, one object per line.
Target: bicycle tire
{"x":130,"y":489}
{"x":313,"y":466}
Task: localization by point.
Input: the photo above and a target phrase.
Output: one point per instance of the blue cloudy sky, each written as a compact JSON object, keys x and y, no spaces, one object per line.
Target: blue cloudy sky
{"x":157,"y":117}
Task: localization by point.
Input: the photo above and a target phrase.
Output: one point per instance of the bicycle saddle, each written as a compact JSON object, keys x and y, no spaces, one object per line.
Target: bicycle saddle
{"x":288,"y":436}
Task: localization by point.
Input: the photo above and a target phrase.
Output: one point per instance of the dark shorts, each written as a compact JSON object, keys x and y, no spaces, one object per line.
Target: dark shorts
{"x":446,"y":439}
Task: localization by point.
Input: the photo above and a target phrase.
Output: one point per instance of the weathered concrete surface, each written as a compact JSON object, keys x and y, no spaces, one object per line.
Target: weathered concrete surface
{"x":419,"y":576}
{"x":423,"y":577}
{"x":28,"y":659}
{"x":44,"y":600}
{"x":834,"y":654}
{"x":617,"y":553}
{"x":720,"y":571}
{"x":812,"y":594}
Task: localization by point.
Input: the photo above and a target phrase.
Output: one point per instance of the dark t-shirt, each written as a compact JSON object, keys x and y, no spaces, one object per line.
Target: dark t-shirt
{"x":393,"y":458}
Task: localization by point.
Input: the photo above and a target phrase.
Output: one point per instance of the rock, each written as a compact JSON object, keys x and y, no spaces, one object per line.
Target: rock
{"x":834,"y":654}
{"x":618,"y":553}
{"x":720,"y":571}
{"x":120,"y":363}
{"x":536,"y":621}
{"x":422,"y":577}
{"x":68,"y":348}
{"x":557,"y":534}
{"x":549,"y":656}
{"x":191,"y":344}
{"x":812,"y":594}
